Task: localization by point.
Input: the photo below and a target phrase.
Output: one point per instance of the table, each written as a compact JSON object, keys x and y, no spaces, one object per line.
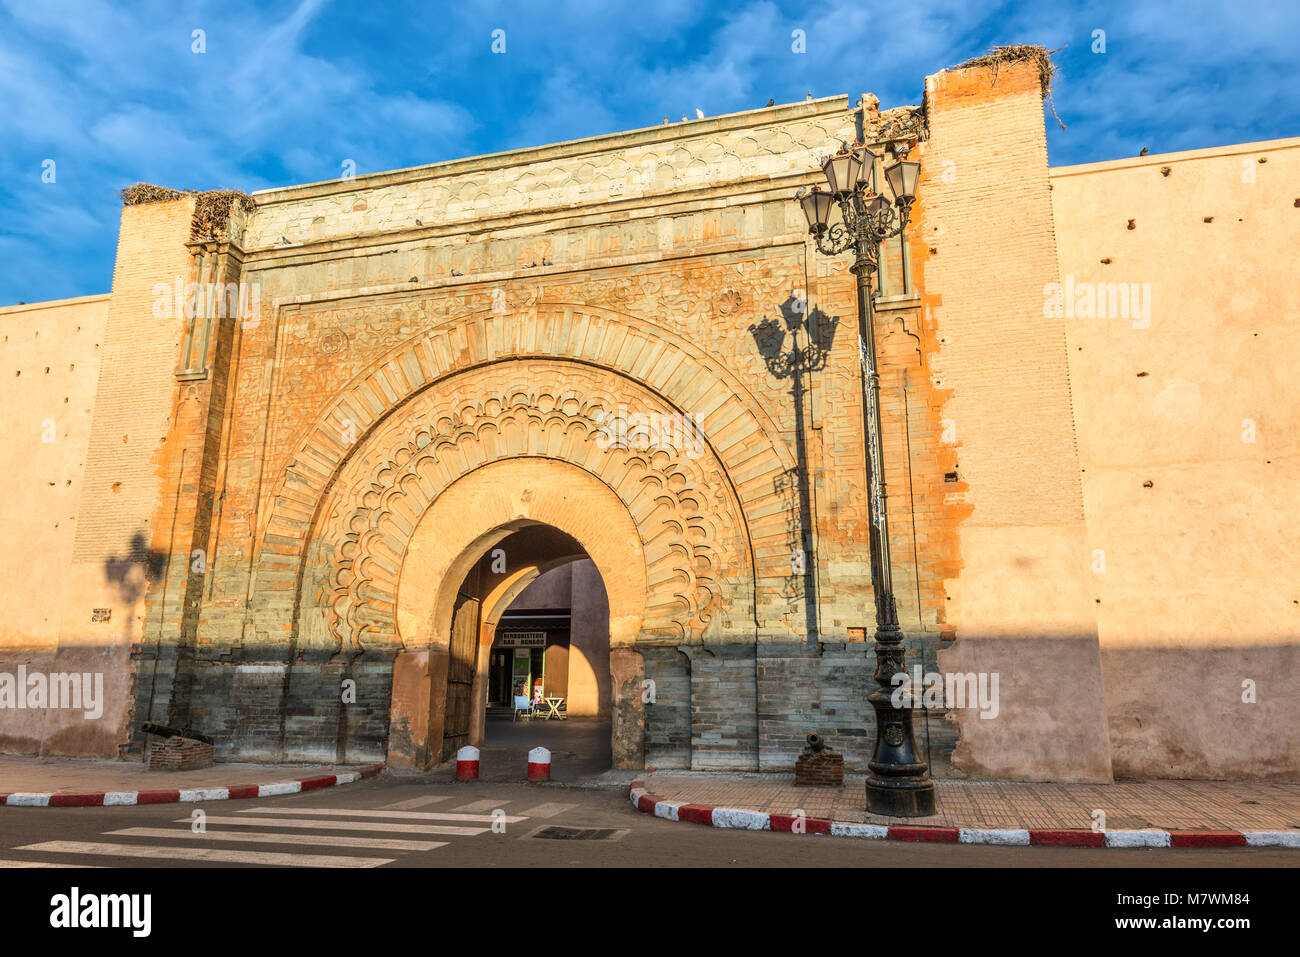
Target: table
{"x":553,"y":709}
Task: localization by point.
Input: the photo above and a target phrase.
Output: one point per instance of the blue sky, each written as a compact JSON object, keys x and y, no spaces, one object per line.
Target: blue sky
{"x":286,"y":92}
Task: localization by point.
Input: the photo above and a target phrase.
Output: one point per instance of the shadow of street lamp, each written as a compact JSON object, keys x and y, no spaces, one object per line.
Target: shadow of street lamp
{"x":807,"y":353}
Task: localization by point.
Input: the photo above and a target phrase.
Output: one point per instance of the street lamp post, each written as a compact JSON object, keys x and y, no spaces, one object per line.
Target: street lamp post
{"x":899,"y":784}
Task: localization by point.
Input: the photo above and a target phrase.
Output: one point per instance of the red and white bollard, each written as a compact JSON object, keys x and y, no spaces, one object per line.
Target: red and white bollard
{"x":539,"y":765}
{"x":467,"y":764}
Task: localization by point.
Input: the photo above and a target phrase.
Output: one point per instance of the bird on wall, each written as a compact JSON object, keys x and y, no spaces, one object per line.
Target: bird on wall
{"x":1144,"y":151}
{"x":457,"y":272}
{"x":772,"y":101}
{"x":699,"y":113}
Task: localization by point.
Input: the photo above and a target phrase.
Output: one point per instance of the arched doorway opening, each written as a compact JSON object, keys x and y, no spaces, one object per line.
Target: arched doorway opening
{"x":530,"y":619}
{"x":457,"y":581}
{"x":548,"y":641}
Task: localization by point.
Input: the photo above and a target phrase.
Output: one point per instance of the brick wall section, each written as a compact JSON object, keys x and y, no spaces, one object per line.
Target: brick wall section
{"x":122,"y":541}
{"x":987,"y":247}
{"x":986,"y":251}
{"x":134,"y":403}
{"x":724,"y":728}
{"x":179,"y":754}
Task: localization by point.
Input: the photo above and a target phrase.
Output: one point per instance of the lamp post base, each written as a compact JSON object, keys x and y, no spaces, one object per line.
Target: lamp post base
{"x":900,"y":798}
{"x":899,"y":783}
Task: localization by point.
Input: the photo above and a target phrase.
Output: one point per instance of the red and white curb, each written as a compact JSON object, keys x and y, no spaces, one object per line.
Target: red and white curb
{"x":182,"y":796}
{"x":643,"y":800}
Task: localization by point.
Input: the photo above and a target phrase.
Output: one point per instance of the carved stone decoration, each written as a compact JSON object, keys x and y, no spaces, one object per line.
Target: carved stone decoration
{"x":332,"y":342}
{"x":728,"y":301}
{"x":689,"y":522}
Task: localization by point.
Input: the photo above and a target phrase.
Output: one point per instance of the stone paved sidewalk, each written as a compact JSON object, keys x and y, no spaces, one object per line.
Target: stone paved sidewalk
{"x":1169,"y":805}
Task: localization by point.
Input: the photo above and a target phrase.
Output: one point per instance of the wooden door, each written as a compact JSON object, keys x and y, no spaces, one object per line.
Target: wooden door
{"x":461,"y":662}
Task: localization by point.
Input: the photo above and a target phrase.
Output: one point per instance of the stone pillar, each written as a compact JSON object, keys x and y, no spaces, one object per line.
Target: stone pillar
{"x":418,"y":708}
{"x":627,"y":671}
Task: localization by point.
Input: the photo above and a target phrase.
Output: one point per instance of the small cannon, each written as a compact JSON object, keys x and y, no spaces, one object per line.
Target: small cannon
{"x":819,"y":765}
{"x":165,"y":732}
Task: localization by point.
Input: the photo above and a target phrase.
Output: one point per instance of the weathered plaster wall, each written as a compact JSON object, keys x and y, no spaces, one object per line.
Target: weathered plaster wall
{"x":49,"y":367}
{"x":554,"y":589}
{"x":1188,"y":447}
{"x":589,"y":676}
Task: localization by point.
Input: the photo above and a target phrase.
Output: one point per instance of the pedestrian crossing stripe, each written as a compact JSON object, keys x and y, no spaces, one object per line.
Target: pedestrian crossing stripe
{"x":290,"y":824}
{"x":455,"y":830}
{"x":249,"y":837}
{"x":213,"y":854}
{"x":380,"y":813}
{"x":413,"y":803}
{"x":4,"y":863}
{"x":486,"y":805}
{"x":548,"y":810}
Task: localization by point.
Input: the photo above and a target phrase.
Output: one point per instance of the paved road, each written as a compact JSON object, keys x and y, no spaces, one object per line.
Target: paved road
{"x":393,"y":821}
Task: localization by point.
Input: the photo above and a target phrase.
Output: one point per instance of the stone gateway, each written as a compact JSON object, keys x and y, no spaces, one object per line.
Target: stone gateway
{"x":320,"y":439}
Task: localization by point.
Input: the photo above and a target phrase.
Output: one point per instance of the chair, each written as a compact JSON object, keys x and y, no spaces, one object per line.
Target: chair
{"x":524,"y":706}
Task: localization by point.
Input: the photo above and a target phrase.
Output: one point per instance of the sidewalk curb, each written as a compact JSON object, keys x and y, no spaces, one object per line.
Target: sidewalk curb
{"x":185,"y":796}
{"x":727,"y":817}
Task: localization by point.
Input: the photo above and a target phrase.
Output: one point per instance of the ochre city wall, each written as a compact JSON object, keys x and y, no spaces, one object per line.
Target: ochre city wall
{"x":1186,"y":415}
{"x":49,"y":366}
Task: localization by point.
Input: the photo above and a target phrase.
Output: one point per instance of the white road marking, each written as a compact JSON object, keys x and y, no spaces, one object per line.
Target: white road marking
{"x":486,"y":805}
{"x":248,"y":837}
{"x":548,"y":810}
{"x":403,"y":815}
{"x":415,"y":802}
{"x":43,"y":864}
{"x":344,"y":825}
{"x":204,"y":854}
